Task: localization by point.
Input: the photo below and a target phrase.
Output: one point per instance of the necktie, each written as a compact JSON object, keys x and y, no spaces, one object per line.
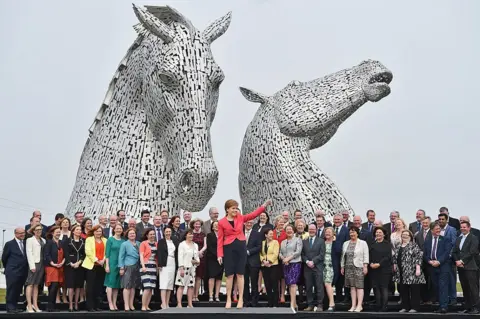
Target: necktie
{"x":248,"y":235}
{"x":418,"y":225}
{"x":425,"y":232}
{"x":336,"y":230}
{"x":434,"y":250}
{"x":311,"y":242}
{"x":21,"y":247}
{"x":159,"y":234}
{"x":393,"y":228}
{"x":319,"y":233}
{"x":369,"y":226}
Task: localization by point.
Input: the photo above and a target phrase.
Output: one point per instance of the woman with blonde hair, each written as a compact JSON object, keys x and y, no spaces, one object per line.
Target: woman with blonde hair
{"x":34,"y":249}
{"x":328,"y":274}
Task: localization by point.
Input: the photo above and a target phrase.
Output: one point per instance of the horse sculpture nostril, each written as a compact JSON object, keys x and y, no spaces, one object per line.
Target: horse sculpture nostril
{"x":186,"y":181}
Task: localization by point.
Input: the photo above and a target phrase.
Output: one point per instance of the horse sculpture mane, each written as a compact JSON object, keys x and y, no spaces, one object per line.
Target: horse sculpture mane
{"x":136,"y":154}
{"x":275,"y":159}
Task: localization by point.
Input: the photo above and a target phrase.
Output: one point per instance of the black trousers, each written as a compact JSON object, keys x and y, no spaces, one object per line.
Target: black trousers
{"x":251,"y":281}
{"x":95,"y":279}
{"x":381,"y":298}
{"x":14,"y":290}
{"x":367,"y":287}
{"x":469,"y":282}
{"x":427,"y":291}
{"x":271,"y":276}
{"x":52,"y":295}
{"x":410,"y":296}
{"x":314,"y":279}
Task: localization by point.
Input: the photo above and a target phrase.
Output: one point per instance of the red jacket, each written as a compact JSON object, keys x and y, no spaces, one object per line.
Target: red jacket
{"x":282,"y":237}
{"x":227,"y":234}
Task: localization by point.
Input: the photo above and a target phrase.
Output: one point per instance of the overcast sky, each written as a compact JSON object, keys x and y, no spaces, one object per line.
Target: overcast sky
{"x":417,"y":148}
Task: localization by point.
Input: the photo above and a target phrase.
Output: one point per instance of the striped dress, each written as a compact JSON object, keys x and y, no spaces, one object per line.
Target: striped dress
{"x":149,"y":278}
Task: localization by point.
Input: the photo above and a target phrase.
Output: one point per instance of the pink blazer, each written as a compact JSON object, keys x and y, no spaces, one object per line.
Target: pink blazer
{"x":227,"y":234}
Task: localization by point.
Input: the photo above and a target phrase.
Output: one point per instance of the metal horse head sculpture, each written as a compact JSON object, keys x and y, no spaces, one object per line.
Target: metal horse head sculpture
{"x":275,"y":161}
{"x":150,"y":143}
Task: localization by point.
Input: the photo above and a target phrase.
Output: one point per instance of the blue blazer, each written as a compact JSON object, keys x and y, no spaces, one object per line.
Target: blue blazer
{"x":254,"y":245}
{"x":444,"y":248}
{"x":13,"y":260}
{"x":450,"y":234}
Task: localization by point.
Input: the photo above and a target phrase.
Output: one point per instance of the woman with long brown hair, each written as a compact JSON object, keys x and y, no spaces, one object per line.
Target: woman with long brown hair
{"x":54,"y":260}
{"x":231,"y":246}
{"x":94,"y":264}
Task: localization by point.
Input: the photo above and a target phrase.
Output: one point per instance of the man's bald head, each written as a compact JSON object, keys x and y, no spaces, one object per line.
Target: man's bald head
{"x":20,"y":233}
{"x":464,"y":219}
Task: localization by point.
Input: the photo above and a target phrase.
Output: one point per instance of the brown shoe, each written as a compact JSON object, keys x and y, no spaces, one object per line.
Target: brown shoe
{"x":309,"y":308}
{"x":319,"y":308}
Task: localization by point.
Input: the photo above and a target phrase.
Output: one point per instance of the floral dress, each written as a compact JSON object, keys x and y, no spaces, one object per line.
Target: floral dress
{"x":328,"y":270}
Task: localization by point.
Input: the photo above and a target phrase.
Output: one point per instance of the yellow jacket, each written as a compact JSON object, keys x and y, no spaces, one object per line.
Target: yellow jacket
{"x":272,"y":252}
{"x":90,"y":255}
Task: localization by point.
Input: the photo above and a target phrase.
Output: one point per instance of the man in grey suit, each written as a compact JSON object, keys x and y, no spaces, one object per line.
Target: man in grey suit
{"x":213,"y":213}
{"x":144,"y":224}
{"x":421,"y":236}
{"x":313,"y":255}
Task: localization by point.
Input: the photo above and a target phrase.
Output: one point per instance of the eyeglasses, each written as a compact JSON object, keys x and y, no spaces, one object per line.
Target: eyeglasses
{"x":38,"y":229}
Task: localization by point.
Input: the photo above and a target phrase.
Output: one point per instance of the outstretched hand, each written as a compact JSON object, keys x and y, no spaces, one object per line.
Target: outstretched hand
{"x":267,"y":203}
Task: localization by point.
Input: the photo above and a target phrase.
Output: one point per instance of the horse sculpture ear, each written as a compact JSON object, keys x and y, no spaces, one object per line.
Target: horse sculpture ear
{"x":217,"y":28}
{"x":253,"y":96}
{"x":154,"y":25}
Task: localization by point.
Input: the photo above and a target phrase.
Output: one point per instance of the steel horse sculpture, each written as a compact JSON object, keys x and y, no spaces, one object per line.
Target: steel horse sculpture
{"x":275,"y":156}
{"x":150,"y":142}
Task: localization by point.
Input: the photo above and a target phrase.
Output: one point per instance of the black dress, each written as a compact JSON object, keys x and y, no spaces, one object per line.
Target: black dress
{"x":381,"y":253}
{"x":214,"y":269}
{"x":73,"y":252}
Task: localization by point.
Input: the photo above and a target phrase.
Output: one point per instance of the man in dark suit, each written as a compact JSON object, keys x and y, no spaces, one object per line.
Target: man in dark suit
{"x":436,"y":254}
{"x":342,"y":235}
{"x":322,"y":214}
{"x":417,"y":225}
{"x":112,"y":221}
{"x":14,"y":260}
{"x":252,"y":268}
{"x":476,"y":233}
{"x":313,"y":255}
{"x":320,"y":224}
{"x":420,"y":237}
{"x":465,"y":254}
{"x":144,"y":224}
{"x":121,"y":217}
{"x":346,"y":219}
{"x":37,"y":214}
{"x":187,"y":217}
{"x":390,"y":227}
{"x":455,"y":223}
{"x":369,"y":224}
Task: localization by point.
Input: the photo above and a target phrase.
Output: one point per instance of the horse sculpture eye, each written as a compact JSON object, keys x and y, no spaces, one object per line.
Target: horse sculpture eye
{"x":167,"y":79}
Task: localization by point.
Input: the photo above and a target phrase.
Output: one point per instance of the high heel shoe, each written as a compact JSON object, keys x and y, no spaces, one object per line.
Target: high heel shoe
{"x":36,"y":309}
{"x":359,"y":309}
{"x":351,"y":309}
{"x":30,"y":310}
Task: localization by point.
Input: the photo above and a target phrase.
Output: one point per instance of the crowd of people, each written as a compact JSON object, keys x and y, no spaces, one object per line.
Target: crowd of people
{"x":321,"y":263}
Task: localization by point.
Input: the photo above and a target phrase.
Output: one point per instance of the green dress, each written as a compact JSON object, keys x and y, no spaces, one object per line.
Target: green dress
{"x":112,"y":279}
